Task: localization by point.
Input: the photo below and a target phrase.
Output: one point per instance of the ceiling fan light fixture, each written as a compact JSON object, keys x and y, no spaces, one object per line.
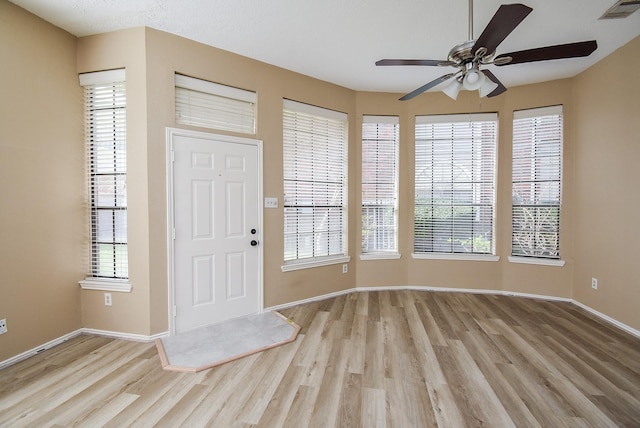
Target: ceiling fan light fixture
{"x":453,"y":89}
{"x":487,"y":87}
{"x":473,"y":79}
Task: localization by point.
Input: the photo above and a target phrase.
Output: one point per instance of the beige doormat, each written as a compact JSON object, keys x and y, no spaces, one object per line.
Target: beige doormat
{"x":210,"y":346}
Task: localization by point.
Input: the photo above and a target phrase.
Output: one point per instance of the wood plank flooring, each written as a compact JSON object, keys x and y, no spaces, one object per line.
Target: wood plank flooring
{"x":368,"y":359}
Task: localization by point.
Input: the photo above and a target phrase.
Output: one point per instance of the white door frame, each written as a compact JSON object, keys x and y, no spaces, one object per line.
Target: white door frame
{"x":171,"y":133}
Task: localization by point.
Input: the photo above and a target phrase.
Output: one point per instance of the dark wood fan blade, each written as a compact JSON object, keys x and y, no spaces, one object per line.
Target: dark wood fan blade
{"x":569,"y":50}
{"x":429,"y":62}
{"x":500,"y":89}
{"x":428,"y":86}
{"x":505,"y":20}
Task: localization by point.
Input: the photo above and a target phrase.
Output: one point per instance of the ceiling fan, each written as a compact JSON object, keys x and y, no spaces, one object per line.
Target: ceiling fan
{"x":469,"y":56}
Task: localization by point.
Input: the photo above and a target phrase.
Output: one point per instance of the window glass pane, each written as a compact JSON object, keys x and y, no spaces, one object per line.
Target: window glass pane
{"x":216,"y":106}
{"x":111,"y":226}
{"x":315,"y":177}
{"x":105,"y":112}
{"x":111,"y":261}
{"x":380,"y":141}
{"x":455,"y":184}
{"x":536,"y":182}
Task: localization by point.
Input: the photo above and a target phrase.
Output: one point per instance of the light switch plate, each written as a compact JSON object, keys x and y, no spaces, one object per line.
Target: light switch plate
{"x":271,"y":202}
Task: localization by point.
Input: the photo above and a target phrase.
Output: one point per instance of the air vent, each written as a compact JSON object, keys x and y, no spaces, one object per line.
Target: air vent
{"x":621,"y":9}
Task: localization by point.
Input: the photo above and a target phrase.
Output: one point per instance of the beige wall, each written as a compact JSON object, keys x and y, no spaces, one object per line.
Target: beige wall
{"x":607,"y":213}
{"x":167,"y":54}
{"x":47,"y":161}
{"x":151,"y":58}
{"x":42,"y":221}
{"x":130,"y":312}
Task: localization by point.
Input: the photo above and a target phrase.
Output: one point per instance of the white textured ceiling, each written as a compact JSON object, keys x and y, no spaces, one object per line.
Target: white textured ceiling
{"x":339,"y":40}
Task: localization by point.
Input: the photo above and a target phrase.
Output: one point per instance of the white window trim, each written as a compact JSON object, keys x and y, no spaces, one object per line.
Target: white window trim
{"x":102,"y":284}
{"x":456,"y":256}
{"x":448,"y":118}
{"x":102,"y":77}
{"x":205,"y":86}
{"x":380,"y":256}
{"x":536,"y":261}
{"x":313,"y":110}
{"x":537,"y":112}
{"x":316,"y":262}
{"x":393,"y":120}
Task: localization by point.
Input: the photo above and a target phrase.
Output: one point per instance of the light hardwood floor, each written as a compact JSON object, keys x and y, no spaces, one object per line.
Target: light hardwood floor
{"x":368,"y":359}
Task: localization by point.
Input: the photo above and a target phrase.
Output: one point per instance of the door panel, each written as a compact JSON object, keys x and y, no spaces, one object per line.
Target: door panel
{"x":216,"y":202}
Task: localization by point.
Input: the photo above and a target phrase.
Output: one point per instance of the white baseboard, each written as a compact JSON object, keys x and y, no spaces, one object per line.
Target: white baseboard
{"x":607,"y":318}
{"x":125,"y":336}
{"x":90,"y":331}
{"x":415,"y":288}
{"x":466,"y":290}
{"x":310,"y":300}
{"x":39,"y":349}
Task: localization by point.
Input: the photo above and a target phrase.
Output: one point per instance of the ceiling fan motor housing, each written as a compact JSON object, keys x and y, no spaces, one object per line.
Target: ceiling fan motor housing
{"x":462,"y":54}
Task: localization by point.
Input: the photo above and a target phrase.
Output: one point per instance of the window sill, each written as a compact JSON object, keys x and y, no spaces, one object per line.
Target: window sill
{"x":447,"y":256}
{"x":116,"y":285}
{"x":536,"y":261}
{"x":325,"y":261}
{"x":380,"y":256}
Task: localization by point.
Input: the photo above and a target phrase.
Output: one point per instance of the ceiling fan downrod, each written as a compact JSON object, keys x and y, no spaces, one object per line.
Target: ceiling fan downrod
{"x":470,"y":20}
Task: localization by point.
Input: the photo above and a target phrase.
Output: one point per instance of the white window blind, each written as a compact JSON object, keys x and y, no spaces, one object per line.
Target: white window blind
{"x":315,"y":182}
{"x":105,"y":134}
{"x":536,"y":182}
{"x":455,"y":183}
{"x":211,"y":105}
{"x":380,"y":141}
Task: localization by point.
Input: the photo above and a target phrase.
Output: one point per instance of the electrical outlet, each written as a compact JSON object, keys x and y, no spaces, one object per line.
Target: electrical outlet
{"x":3,"y":326}
{"x":107,"y":299}
{"x":594,"y":283}
{"x":345,"y":268}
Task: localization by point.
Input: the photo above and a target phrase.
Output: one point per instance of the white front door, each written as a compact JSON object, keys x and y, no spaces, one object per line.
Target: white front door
{"x":216,"y":254}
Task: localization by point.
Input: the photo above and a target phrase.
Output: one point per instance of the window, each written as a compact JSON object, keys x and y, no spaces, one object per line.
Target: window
{"x":211,"y":105}
{"x":455,"y":184}
{"x":536,"y":182}
{"x":105,"y":133}
{"x":315,"y":183}
{"x":380,"y":140}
